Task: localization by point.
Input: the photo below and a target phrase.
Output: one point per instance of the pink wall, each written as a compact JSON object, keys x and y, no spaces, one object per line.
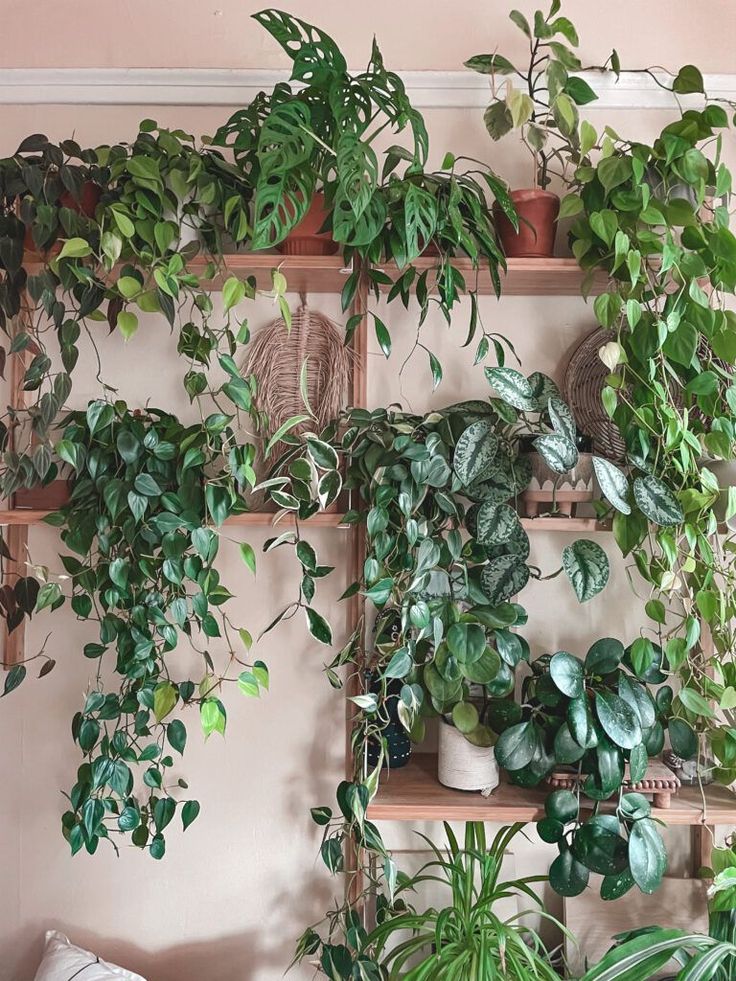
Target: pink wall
{"x":413,"y":33}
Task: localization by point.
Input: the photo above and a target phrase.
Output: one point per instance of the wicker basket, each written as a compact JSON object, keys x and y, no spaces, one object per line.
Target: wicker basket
{"x":584,"y":381}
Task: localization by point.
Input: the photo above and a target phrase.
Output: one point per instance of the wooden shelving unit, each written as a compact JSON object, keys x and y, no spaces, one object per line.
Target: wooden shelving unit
{"x":414,"y":793}
{"x":327,"y":274}
{"x":29,"y":516}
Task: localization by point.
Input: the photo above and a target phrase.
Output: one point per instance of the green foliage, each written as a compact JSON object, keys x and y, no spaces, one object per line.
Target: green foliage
{"x":594,"y":716}
{"x":541,"y":99}
{"x":468,"y":934}
{"x":148,"y":497}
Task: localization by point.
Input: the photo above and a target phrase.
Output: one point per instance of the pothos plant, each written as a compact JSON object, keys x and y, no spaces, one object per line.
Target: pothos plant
{"x":596,"y":717}
{"x":655,"y":219}
{"x":418,"y":481}
{"x":143,"y":525}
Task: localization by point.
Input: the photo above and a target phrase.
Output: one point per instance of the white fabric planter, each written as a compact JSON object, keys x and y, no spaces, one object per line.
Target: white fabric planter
{"x":463,"y":766}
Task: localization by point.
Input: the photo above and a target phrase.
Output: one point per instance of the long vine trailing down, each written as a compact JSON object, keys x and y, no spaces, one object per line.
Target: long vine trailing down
{"x":90,"y":240}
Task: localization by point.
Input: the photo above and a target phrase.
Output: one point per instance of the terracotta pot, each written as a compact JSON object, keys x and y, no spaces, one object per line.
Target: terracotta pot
{"x":89,"y":198}
{"x":50,"y":497}
{"x":537,"y":212}
{"x":306,"y":238}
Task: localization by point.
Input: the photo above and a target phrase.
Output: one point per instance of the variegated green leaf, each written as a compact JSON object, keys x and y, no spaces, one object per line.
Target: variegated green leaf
{"x":613,"y":484}
{"x":513,"y":388}
{"x":503,"y":578}
{"x":657,"y":501}
{"x":543,"y":389}
{"x":475,"y":451}
{"x":495,"y":523}
{"x":559,"y":453}
{"x":562,"y":419}
{"x":586,"y":566}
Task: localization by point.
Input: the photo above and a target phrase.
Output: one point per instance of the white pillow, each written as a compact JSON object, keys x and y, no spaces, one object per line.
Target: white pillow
{"x":62,"y":961}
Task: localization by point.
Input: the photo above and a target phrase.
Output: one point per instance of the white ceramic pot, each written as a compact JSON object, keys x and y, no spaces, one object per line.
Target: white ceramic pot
{"x":463,"y":766}
{"x":725,"y":473}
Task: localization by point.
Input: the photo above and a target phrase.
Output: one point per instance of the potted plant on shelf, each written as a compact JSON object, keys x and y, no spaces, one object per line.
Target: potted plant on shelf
{"x":541,"y":102}
{"x":597,"y":719}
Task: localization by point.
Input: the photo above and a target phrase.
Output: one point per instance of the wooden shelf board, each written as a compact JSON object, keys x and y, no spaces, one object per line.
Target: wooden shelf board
{"x":327,"y":273}
{"x":413,"y":793}
{"x":30,"y":516}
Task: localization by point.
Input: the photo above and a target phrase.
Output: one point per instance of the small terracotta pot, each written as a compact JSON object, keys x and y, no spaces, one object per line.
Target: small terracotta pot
{"x":49,"y":497}
{"x":537,"y":212}
{"x":306,"y":238}
{"x":89,"y":198}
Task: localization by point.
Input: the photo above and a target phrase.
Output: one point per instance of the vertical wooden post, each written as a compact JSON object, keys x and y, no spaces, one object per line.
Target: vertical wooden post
{"x":16,"y":536}
{"x":356,"y":604}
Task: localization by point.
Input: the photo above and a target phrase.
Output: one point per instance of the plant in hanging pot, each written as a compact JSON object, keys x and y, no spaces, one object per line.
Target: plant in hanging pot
{"x":544,"y":109}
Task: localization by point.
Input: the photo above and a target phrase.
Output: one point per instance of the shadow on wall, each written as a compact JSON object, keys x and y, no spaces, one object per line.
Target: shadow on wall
{"x":249,"y":956}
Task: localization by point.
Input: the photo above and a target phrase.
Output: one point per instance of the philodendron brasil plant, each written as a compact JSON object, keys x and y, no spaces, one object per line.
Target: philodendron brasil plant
{"x":655,"y":219}
{"x":540,"y":100}
{"x":143,"y":523}
{"x":597,"y":718}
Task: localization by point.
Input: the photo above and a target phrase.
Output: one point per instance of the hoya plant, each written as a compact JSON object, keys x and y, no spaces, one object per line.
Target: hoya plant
{"x":598,"y":718}
{"x":142,"y":530}
{"x":655,"y":219}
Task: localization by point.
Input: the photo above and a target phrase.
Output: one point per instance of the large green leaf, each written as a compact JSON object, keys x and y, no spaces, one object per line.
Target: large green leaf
{"x":657,"y":501}
{"x":604,"y":656}
{"x":466,"y":641}
{"x":512,"y":387}
{"x":517,"y":745}
{"x":580,"y":721}
{"x":647,"y":855}
{"x":619,"y":720}
{"x":586,"y":566}
{"x":567,"y":673}
{"x":566,"y":875}
{"x":475,"y":452}
{"x":599,"y":847}
{"x":644,"y":955}
{"x":495,"y":523}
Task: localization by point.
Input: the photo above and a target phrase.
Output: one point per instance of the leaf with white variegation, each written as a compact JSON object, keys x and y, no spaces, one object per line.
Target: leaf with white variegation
{"x":475,"y":451}
{"x":586,"y":566}
{"x":503,"y":578}
{"x":657,"y":501}
{"x":495,"y":523}
{"x":613,"y":484}
{"x":512,"y":387}
{"x":562,"y":419}
{"x":558,"y":452}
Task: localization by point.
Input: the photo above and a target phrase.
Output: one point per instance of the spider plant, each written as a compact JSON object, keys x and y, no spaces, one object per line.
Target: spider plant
{"x":467,"y":940}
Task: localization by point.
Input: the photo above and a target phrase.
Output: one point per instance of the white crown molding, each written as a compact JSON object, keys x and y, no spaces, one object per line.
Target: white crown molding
{"x":237,"y":86}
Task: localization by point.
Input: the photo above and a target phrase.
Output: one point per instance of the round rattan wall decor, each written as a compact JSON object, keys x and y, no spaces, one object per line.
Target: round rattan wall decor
{"x":584,"y":381}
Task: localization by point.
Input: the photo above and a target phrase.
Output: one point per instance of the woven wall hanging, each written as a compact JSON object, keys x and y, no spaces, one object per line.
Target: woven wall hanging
{"x":584,"y":381}
{"x":276,"y":356}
